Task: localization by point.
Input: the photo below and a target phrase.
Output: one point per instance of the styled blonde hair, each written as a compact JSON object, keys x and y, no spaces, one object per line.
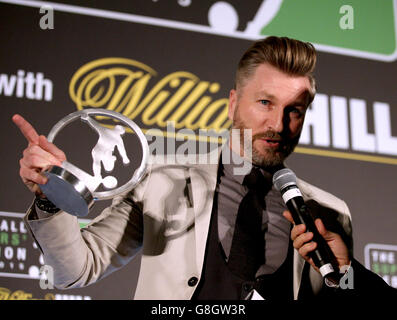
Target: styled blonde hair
{"x":291,"y":56}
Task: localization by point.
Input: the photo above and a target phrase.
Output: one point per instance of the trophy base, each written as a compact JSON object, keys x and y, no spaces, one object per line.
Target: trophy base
{"x":67,"y":192}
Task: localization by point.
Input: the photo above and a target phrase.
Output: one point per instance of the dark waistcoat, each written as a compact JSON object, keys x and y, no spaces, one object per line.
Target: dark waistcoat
{"x":219,"y":283}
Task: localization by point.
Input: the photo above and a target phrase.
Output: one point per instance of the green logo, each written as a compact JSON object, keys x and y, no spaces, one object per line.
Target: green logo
{"x":364,"y":28}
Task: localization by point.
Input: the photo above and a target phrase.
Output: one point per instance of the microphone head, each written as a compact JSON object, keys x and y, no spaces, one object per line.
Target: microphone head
{"x":283,"y":178}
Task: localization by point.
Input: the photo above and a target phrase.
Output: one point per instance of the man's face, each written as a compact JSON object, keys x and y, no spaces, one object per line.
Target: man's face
{"x":273,"y":105}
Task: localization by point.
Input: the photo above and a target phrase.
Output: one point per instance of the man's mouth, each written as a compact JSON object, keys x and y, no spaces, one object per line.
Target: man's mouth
{"x":271,"y":143}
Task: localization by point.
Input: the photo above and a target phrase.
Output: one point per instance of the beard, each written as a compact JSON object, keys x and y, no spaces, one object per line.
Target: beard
{"x":262,"y":156}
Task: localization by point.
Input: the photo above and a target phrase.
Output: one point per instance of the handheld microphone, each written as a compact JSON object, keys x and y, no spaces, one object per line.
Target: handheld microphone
{"x":284,"y":181}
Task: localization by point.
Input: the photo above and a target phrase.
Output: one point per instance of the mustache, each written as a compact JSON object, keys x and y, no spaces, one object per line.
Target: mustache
{"x":269,"y":134}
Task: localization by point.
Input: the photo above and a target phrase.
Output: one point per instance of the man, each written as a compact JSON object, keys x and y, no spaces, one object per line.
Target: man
{"x":205,"y":232}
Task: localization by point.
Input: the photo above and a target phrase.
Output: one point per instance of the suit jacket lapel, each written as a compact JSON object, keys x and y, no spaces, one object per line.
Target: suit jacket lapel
{"x":203,"y":179}
{"x":299,"y":262}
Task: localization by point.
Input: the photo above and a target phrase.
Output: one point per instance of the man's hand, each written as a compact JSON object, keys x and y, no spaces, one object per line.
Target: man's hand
{"x":302,"y":242}
{"x":39,"y":155}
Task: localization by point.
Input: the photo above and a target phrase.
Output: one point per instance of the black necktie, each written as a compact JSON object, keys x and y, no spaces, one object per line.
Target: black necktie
{"x":247,"y":252}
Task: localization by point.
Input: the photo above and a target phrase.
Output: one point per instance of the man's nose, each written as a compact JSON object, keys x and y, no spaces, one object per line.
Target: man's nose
{"x":276,"y":120}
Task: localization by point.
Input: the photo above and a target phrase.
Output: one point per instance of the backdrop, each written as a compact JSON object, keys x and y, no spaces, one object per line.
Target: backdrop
{"x":156,"y":61}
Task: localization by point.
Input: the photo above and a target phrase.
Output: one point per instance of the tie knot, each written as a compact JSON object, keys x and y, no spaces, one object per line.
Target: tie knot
{"x":255,"y":180}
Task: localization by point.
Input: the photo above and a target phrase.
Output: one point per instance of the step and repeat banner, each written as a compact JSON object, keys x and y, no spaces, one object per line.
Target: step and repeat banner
{"x":159,"y":62}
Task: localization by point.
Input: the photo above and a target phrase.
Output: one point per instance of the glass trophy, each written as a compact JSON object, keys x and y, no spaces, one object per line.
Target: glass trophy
{"x":74,"y":190}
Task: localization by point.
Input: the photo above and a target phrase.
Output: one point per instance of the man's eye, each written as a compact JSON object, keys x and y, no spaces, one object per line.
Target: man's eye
{"x":296,"y":112}
{"x":264,"y":102}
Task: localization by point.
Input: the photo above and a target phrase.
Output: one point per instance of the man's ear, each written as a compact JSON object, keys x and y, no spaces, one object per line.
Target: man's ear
{"x":232,"y":103}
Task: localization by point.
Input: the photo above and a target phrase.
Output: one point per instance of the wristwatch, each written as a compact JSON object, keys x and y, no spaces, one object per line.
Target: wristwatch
{"x":45,"y":205}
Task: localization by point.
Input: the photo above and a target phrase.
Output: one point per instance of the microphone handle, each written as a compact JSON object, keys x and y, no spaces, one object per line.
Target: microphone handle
{"x":322,"y":254}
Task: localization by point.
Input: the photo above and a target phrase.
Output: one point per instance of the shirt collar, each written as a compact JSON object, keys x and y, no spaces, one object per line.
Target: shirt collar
{"x":231,"y":160}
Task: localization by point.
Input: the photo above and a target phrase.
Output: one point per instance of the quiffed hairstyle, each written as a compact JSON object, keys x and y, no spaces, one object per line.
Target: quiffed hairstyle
{"x":291,"y":56}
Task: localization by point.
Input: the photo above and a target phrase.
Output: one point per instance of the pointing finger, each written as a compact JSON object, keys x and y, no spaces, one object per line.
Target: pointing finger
{"x":26,"y":128}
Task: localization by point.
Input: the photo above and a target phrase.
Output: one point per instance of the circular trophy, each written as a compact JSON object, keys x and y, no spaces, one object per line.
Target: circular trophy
{"x":74,"y":190}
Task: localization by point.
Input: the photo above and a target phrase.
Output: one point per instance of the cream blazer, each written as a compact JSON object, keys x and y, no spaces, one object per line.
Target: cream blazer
{"x":173,"y":204}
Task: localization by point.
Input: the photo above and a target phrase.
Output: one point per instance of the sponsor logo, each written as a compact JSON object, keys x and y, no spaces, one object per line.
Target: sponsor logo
{"x":19,"y":254}
{"x":382,"y":259}
{"x":122,"y":85}
{"x":186,"y":101}
{"x":27,"y":85}
{"x":361,"y":28}
{"x":7,"y":294}
{"x":327,"y":121}
{"x":333,"y":26}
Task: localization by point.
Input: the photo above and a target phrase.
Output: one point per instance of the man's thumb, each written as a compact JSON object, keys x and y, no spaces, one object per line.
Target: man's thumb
{"x":51,"y":148}
{"x":321,"y":229}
